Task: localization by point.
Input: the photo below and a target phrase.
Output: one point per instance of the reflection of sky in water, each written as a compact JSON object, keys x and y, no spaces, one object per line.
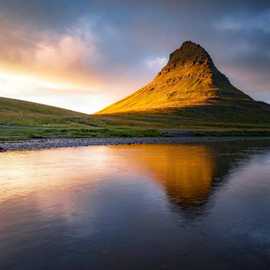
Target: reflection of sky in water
{"x":164,"y":204}
{"x":186,"y":172}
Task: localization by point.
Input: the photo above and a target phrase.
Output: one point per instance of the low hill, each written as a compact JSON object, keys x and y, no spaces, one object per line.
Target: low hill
{"x":27,"y":120}
{"x":20,"y":112}
{"x":20,"y":120}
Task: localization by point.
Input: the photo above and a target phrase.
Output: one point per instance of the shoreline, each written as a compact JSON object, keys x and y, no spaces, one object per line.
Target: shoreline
{"x":38,"y":144}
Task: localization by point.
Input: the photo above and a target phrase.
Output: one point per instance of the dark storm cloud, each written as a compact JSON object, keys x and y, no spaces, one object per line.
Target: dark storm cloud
{"x":128,"y":33}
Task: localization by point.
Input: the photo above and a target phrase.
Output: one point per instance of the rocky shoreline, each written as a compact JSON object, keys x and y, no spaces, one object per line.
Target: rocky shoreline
{"x":65,"y":142}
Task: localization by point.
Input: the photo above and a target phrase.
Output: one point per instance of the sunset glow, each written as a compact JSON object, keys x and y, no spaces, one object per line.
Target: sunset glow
{"x":65,"y":95}
{"x":78,"y":56}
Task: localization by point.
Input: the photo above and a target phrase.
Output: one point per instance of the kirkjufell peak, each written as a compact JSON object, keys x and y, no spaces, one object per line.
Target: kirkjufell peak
{"x":190,"y":52}
{"x":189,"y":79}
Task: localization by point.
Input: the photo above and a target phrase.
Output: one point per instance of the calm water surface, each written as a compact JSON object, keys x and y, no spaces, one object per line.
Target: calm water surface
{"x":190,"y":206}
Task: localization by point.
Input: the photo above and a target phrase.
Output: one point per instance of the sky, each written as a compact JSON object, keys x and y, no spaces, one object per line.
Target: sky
{"x":85,"y":54}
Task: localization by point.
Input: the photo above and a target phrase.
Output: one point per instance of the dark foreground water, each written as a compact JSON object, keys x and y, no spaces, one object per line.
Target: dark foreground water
{"x":201,"y":206}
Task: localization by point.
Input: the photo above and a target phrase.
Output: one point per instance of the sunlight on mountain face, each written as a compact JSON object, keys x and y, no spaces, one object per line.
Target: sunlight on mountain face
{"x":190,"y":78}
{"x":59,"y":94}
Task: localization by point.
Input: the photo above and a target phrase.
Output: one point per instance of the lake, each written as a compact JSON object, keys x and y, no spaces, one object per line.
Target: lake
{"x":184,"y":206}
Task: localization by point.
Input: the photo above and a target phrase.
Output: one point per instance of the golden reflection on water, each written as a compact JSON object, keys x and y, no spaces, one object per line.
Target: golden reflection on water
{"x":185,"y":172}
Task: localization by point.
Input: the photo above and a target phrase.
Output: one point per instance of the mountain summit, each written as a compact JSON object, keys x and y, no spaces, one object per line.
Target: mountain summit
{"x":189,"y":79}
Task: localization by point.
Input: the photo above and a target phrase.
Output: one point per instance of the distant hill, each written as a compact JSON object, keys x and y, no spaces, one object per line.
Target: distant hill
{"x":20,"y":120}
{"x":26,"y":120}
{"x":191,"y":84}
{"x":24,"y":112}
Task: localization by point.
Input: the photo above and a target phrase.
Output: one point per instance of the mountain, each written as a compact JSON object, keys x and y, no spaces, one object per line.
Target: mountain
{"x":189,"y":80}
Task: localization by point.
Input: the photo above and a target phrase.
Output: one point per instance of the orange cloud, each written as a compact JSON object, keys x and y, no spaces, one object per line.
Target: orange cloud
{"x":59,"y":58}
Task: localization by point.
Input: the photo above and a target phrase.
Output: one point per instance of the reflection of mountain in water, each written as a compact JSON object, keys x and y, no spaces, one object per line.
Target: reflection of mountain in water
{"x":186,"y":172}
{"x":191,"y":173}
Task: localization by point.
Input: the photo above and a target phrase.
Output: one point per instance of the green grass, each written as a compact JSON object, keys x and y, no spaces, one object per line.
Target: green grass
{"x":23,"y":133}
{"x":23,"y":120}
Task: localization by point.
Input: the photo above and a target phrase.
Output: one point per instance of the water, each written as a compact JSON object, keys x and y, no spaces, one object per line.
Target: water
{"x":190,"y":206}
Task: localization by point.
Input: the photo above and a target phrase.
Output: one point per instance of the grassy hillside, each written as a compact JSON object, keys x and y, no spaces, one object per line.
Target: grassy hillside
{"x":19,"y":112}
{"x":27,"y":120}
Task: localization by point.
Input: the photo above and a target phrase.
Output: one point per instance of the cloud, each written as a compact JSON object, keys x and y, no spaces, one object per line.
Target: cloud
{"x":247,"y":22}
{"x":61,"y":57}
{"x":156,"y":63}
